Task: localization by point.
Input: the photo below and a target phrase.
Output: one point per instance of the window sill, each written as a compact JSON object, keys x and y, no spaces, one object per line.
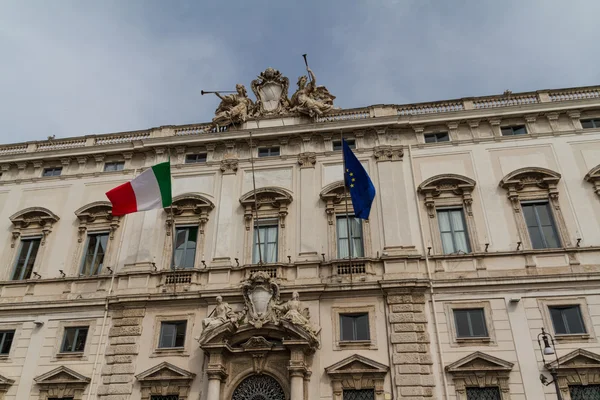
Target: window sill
{"x":572,"y":337}
{"x":170,"y":351}
{"x":469,"y":341}
{"x":356,"y":344}
{"x":70,"y":356}
{"x":4,"y":358}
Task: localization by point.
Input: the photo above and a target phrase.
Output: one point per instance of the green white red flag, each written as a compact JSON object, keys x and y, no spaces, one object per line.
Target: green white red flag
{"x":148,"y":191}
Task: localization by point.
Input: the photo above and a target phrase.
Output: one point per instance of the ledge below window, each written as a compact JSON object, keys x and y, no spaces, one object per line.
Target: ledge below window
{"x":170,"y":351}
{"x":79,"y":355}
{"x":578,"y":337}
{"x":357,"y":344}
{"x":470,"y":341}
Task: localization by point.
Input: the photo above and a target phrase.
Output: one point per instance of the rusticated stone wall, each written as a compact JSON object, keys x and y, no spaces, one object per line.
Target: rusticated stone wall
{"x":119,"y":368}
{"x":411,"y":356}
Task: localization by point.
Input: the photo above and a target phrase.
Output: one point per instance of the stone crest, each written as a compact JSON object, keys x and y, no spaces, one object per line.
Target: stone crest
{"x":271,"y":91}
{"x":261,"y":294}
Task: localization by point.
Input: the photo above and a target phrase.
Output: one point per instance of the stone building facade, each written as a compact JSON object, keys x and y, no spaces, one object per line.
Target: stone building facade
{"x":484,"y":230}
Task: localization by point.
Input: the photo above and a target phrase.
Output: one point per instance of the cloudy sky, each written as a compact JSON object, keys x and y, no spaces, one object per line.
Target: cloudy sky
{"x":70,"y":68}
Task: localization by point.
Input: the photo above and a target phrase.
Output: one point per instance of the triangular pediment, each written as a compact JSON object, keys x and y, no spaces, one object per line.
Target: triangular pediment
{"x":356,"y":364}
{"x":61,"y":375}
{"x":4,"y":381}
{"x":165,"y":371}
{"x":479,"y":361}
{"x":579,"y":358}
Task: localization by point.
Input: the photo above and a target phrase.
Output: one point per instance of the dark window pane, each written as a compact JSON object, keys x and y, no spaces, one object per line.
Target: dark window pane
{"x":337,"y":144}
{"x":359,"y":394}
{"x":74,"y":339}
{"x":94,"y":254}
{"x":180,"y":334}
{"x":114,"y":166}
{"x":362,"y":327}
{"x":354,"y":326}
{"x":6,"y":339}
{"x":540,"y":224}
{"x":587,"y":392}
{"x":430,"y":138}
{"x":347,"y":327}
{"x":195,"y":158}
{"x":560,"y":327}
{"x":52,"y":171}
{"x":506,"y":131}
{"x":26,"y":258}
{"x":483,"y":393}
{"x":268,"y":151}
{"x":164,"y":397}
{"x":478,"y":327}
{"x":470,"y":323}
{"x":587,"y":123}
{"x":519,"y":130}
{"x":462,"y":323}
{"x":172,"y":334}
{"x":567,"y":320}
{"x":185,"y":247}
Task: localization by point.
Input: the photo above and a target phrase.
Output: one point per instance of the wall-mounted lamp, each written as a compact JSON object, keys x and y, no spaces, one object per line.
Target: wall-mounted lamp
{"x":237,"y":262}
{"x":62,"y":273}
{"x":519,"y":246}
{"x":323,"y":255}
{"x":289,"y":259}
{"x":429,"y":251}
{"x":38,"y":276}
{"x":578,"y":242}
{"x":109,"y":269}
{"x":204,"y":263}
{"x":486,"y":247}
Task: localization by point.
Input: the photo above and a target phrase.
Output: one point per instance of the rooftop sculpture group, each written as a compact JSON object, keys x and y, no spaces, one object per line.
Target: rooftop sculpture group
{"x":271,"y":91}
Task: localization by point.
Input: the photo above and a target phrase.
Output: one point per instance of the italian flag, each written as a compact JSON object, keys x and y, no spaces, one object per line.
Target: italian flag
{"x":148,"y":191}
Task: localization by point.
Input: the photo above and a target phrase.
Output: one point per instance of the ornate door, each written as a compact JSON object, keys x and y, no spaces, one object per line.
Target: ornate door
{"x":259,"y":387}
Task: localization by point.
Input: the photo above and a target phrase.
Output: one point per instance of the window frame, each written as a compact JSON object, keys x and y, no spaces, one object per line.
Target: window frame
{"x":437,"y":136}
{"x":351,"y":240}
{"x":336,"y":145}
{"x":484,"y":387}
{"x":564,"y":319}
{"x":513,"y":128}
{"x":186,"y":226}
{"x":270,"y":150}
{"x":3,"y":334}
{"x":534,"y":203}
{"x":354,"y":316}
{"x":177,"y":323}
{"x":183,"y":351}
{"x":77,"y":332}
{"x":53,"y":171}
{"x":452,"y":230}
{"x":18,"y":256}
{"x":455,"y":340}
{"x":595,"y":123}
{"x":544,"y":305}
{"x":481,"y":310}
{"x":85,"y":249}
{"x":371,"y":310}
{"x":189,"y":160}
{"x":117,"y":164}
{"x":264,"y":223}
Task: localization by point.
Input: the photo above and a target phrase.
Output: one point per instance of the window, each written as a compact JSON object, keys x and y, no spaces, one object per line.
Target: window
{"x":470,"y":323}
{"x":267,"y":231}
{"x":74,"y":339}
{"x":93,"y":258}
{"x":356,"y":244}
{"x":52,"y":171}
{"x":26,"y":258}
{"x":587,"y":392}
{"x":567,"y":320}
{"x":172,"y":334}
{"x":540,"y":225}
{"x":354,"y":327}
{"x":590,"y":123}
{"x":453,"y":231}
{"x":483,"y":393}
{"x":268,"y":151}
{"x":114,"y":166}
{"x":437,"y":137}
{"x":185,"y":247}
{"x":195,"y":158}
{"x":337,"y":144}
{"x":359,"y":394}
{"x":6,"y":339}
{"x":514,"y":130}
{"x":164,"y":397}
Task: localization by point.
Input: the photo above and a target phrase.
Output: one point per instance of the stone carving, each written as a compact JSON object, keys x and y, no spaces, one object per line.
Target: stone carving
{"x":229,"y":166}
{"x":311,"y":99}
{"x":222,"y":314}
{"x":234,"y":108}
{"x":271,"y":91}
{"x":295,"y":312}
{"x":307,"y":160}
{"x":260,"y":294}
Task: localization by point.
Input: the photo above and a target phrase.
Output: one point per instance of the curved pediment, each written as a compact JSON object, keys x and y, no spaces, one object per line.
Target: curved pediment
{"x":191,"y":202}
{"x":334,"y":191}
{"x":271,"y":195}
{"x":98,"y":209}
{"x":446,"y":182}
{"x":33,"y":215}
{"x":530,"y":176}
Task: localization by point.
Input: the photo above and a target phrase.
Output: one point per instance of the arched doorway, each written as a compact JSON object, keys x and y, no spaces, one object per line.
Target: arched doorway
{"x":259,"y":387}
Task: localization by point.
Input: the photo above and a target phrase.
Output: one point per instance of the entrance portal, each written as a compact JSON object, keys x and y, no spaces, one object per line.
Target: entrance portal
{"x":259,"y":387}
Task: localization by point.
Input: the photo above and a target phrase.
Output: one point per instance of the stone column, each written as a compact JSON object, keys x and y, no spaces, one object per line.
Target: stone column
{"x":296,"y":385}
{"x":214,"y":387}
{"x":225,"y":219}
{"x":215,"y":371}
{"x":309,"y":245}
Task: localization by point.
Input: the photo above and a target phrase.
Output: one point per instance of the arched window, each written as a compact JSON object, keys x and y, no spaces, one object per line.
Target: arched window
{"x":269,"y":231}
{"x":189,"y":219}
{"x":533,"y":193}
{"x":97,"y":227}
{"x":341,"y":228}
{"x":448,"y":200}
{"x":30,"y":228}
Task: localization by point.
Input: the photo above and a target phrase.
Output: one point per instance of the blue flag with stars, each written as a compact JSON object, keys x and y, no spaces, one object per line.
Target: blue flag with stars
{"x":358,"y":183}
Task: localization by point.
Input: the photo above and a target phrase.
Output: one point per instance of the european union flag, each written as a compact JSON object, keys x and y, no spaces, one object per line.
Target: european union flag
{"x":358,"y":183}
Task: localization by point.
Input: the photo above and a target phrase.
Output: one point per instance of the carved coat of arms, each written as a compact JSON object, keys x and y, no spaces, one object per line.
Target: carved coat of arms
{"x":271,"y":90}
{"x":261,"y":295}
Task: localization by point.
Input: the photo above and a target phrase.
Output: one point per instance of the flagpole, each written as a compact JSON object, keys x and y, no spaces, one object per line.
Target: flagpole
{"x":348,"y":228}
{"x":255,"y":204}
{"x":173,"y":232}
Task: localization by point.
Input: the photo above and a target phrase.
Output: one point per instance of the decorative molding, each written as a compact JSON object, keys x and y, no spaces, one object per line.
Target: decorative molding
{"x":61,"y":382}
{"x":5,"y":384}
{"x":357,"y":372}
{"x":388,"y":153}
{"x":229,"y":166}
{"x":165,"y":379}
{"x":307,"y":159}
{"x":269,"y":202}
{"x":593,"y":177}
{"x":98,"y":215}
{"x":480,"y":370}
{"x":35,"y":220}
{"x":579,"y":367}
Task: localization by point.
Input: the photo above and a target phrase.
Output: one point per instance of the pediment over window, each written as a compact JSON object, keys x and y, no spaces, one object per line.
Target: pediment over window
{"x":60,"y":376}
{"x":94,"y":211}
{"x":165,"y":372}
{"x":5,"y":383}
{"x":530,"y":176}
{"x":333,"y":192}
{"x":577,"y":359}
{"x":191,"y":203}
{"x":453,"y":183}
{"x":357,"y":364}
{"x":39,"y":216}
{"x":593,"y":177}
{"x":479,"y":362}
{"x":165,"y":379}
{"x":271,"y":202}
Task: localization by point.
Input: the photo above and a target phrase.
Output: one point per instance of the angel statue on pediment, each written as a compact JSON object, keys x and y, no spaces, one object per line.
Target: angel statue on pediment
{"x":311,"y":99}
{"x":234,"y":108}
